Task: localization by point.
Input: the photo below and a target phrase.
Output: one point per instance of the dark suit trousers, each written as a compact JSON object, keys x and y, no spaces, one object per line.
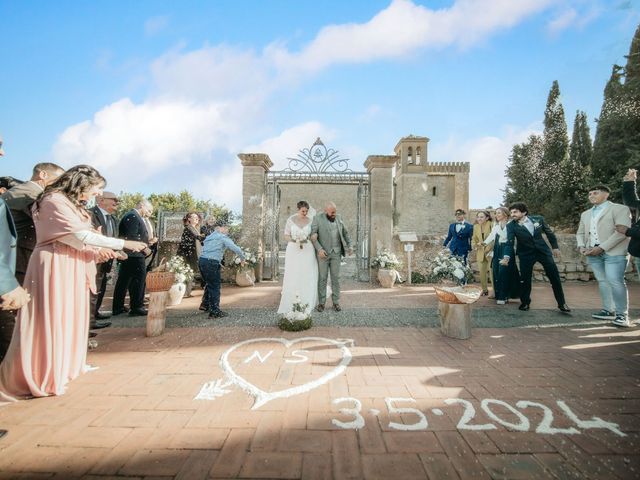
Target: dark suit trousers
{"x":7,"y":324}
{"x":101,"y":286}
{"x":132,"y":276}
{"x":550,"y":269}
{"x":22,"y":262}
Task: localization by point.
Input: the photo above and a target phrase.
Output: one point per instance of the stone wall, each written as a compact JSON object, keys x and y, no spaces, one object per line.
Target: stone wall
{"x":572,"y":265}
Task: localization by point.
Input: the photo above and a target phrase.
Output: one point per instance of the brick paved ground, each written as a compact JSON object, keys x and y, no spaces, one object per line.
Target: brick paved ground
{"x":136,"y":416}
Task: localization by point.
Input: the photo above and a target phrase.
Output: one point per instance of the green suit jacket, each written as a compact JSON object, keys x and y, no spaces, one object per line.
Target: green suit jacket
{"x":320,"y":226}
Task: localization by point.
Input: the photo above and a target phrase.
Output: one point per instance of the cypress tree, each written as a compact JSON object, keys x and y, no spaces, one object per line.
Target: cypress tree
{"x":617,"y":145}
{"x":608,"y":148}
{"x":556,"y":142}
{"x":523,"y":173}
{"x":571,"y":198}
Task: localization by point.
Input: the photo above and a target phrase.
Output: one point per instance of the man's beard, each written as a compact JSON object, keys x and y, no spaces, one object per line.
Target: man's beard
{"x":331,"y":218}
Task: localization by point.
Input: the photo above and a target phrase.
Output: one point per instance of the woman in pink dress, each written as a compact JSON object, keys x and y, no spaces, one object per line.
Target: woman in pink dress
{"x":49,"y":344}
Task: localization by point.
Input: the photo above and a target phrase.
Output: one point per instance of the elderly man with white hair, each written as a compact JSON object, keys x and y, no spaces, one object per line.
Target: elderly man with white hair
{"x":133,"y":271}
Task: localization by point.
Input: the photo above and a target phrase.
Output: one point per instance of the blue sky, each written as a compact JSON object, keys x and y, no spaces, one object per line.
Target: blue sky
{"x":162,"y":95}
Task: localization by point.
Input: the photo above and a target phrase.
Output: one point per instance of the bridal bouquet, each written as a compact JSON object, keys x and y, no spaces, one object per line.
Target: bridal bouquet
{"x":385,"y":259}
{"x":184,"y":273}
{"x":300,"y":238}
{"x":250,"y":259}
{"x":447,"y":267}
{"x":298,"y":318}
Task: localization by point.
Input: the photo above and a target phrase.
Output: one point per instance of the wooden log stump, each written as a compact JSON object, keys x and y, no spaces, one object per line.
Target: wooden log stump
{"x":455,"y":320}
{"x":157,"y":313}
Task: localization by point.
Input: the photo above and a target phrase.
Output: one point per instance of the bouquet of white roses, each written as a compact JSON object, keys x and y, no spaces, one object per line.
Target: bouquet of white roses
{"x":298,"y":318}
{"x":250,"y":258}
{"x":300,"y":237}
{"x":184,"y":273}
{"x":385,"y":259}
{"x":446,"y":266}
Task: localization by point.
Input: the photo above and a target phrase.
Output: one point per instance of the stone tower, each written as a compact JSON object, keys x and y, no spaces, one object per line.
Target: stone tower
{"x":426,"y":194}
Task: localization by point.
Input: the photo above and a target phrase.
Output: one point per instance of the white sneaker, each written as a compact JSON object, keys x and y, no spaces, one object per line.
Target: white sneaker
{"x":500,"y":302}
{"x":622,"y":321}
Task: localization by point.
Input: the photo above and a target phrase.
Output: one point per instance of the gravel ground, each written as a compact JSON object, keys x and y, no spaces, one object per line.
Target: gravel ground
{"x":375,"y":317}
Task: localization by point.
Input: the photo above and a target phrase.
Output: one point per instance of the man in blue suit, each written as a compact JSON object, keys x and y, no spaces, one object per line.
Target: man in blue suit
{"x":459,"y":236}
{"x":527,"y":230}
{"x":12,"y":295}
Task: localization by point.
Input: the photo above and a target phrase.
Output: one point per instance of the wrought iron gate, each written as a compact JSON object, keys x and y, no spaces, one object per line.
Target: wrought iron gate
{"x":317,"y":165}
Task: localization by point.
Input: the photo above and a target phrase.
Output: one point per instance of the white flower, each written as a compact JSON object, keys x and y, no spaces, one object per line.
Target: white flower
{"x":536,"y":225}
{"x":459,"y":274}
{"x":180,"y":278}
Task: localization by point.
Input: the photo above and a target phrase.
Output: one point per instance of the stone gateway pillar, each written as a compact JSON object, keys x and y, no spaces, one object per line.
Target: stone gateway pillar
{"x":254,"y":172}
{"x":380,"y":168}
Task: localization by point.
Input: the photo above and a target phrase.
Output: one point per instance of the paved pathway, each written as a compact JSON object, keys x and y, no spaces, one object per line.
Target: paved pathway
{"x":373,"y":402}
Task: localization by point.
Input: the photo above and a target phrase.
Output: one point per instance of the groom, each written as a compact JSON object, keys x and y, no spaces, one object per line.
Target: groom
{"x":331,"y":241}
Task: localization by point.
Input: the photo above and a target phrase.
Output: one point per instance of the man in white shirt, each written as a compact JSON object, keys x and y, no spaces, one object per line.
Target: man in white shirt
{"x":606,"y":252}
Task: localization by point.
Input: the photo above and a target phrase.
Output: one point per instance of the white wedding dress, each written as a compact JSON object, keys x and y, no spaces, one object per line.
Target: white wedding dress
{"x":300,"y":269}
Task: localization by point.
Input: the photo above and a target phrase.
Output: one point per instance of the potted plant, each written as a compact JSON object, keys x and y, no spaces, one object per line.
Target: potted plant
{"x":386,"y":262}
{"x":183,"y":276}
{"x":298,"y":319}
{"x":245,"y":274}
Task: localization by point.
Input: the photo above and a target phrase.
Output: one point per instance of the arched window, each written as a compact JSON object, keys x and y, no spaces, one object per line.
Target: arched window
{"x":418,"y":155}
{"x":410,"y":155}
{"x":433,"y":191}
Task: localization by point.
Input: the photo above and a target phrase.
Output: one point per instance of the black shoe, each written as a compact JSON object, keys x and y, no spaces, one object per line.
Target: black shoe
{"x":337,"y":307}
{"x":564,"y":308}
{"x":203,"y":308}
{"x":138,"y":312}
{"x":120,"y":311}
{"x":320,"y":308}
{"x":218,"y":314}
{"x":524,"y":307}
{"x":92,"y":334}
{"x":3,"y":433}
{"x":98,"y":325}
{"x":102,"y":316}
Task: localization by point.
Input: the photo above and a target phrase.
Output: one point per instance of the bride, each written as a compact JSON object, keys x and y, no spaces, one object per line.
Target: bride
{"x":300,"y":265}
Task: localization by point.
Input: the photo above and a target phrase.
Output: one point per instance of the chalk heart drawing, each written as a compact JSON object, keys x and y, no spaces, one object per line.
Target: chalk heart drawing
{"x":261,"y":396}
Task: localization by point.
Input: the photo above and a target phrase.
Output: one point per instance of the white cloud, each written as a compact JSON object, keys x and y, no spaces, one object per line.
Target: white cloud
{"x":404,"y":27}
{"x":488,"y":157}
{"x":290,"y":141}
{"x":573,"y":14}
{"x":214,"y":99}
{"x":146,"y":138}
{"x":155,"y":25}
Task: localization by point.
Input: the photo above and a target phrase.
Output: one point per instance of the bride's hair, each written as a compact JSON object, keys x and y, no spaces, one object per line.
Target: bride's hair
{"x":303,"y":204}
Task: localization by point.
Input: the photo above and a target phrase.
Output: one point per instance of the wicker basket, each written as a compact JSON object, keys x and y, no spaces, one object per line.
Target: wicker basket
{"x":458,"y":295}
{"x":160,"y":281}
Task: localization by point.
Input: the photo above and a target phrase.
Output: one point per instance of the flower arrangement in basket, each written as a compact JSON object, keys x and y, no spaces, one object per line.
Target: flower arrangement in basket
{"x":385,"y":259}
{"x":159,"y":279}
{"x":298,"y":319}
{"x":250,"y":260}
{"x":445,"y":267}
{"x":183,"y":272}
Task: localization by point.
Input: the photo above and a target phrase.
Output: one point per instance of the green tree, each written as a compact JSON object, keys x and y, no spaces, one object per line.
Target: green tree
{"x":171,"y":202}
{"x":609,"y":144}
{"x":523,"y":175}
{"x":570,"y":199}
{"x":617,"y":144}
{"x":556,"y":144}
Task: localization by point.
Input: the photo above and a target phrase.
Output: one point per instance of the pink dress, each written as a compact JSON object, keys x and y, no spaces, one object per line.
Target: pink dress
{"x":49,"y":343}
